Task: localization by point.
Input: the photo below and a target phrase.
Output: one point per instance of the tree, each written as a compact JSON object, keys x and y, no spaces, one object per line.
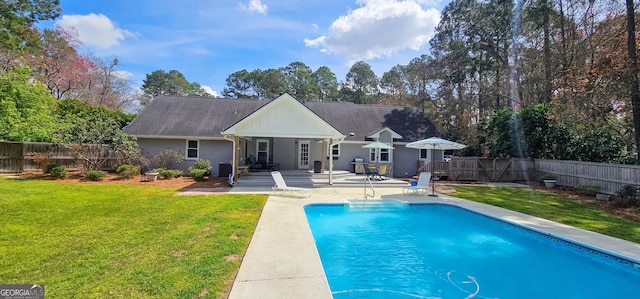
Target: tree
{"x":241,"y":84}
{"x":17,"y":18}
{"x":95,"y":139}
{"x":26,"y":108}
{"x":326,"y":84}
{"x":361,"y":84}
{"x":634,"y":88}
{"x":300,"y":81}
{"x":172,"y":83}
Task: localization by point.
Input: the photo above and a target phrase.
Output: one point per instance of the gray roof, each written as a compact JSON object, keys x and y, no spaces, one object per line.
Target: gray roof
{"x":169,"y":116}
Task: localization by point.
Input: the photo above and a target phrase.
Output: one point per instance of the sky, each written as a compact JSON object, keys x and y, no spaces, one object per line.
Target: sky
{"x":207,"y":40}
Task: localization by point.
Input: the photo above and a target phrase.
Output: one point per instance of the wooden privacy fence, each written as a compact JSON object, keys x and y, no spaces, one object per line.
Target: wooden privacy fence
{"x":17,"y":157}
{"x":609,"y":177}
{"x":490,"y":169}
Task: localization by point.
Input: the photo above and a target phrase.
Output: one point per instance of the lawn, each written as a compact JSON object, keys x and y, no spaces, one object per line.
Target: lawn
{"x":553,"y":207}
{"x":118,"y":241}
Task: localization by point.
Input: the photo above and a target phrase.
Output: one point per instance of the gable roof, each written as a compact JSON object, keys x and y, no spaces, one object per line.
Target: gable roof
{"x":206,"y":118}
{"x":284,"y":117}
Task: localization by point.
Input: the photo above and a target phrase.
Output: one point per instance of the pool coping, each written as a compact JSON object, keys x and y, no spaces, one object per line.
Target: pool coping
{"x":282,"y":260}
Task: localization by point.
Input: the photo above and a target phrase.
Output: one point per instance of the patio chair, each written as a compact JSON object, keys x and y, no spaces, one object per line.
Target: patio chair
{"x":382,"y":172}
{"x":371,"y":171}
{"x":282,"y":186}
{"x":421,"y":186}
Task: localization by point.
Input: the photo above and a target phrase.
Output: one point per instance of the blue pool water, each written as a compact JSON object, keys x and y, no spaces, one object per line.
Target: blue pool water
{"x":444,"y":251}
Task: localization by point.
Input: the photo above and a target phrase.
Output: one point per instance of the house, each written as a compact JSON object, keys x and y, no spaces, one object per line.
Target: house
{"x":282,"y":133}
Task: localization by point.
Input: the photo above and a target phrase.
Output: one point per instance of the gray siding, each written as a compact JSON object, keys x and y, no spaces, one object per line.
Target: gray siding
{"x":216,"y":151}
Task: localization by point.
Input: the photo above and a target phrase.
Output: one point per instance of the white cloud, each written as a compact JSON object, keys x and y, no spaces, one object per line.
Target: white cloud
{"x":121,"y":74}
{"x":255,"y":6}
{"x":210,"y":91}
{"x":378,"y":28}
{"x":95,"y":30}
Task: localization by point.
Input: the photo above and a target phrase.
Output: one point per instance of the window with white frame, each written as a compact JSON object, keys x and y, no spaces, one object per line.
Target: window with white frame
{"x":335,"y":150}
{"x":385,"y":155}
{"x":192,"y":149}
{"x":379,"y":155}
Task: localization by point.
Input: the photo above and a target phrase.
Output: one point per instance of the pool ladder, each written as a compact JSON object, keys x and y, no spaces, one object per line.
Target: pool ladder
{"x":373,"y":191}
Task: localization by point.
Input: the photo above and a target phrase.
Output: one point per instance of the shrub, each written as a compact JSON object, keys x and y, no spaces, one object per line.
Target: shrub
{"x":197,"y":174}
{"x":167,"y":159}
{"x":94,"y":175}
{"x":42,"y":161}
{"x":59,"y":172}
{"x":202,"y":164}
{"x":170,"y":173}
{"x":128,"y":171}
{"x":588,"y":190}
{"x":49,"y":167}
{"x":628,"y":196}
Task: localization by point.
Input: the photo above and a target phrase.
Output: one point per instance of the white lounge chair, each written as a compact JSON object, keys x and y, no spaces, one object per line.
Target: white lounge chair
{"x":282,"y":185}
{"x":421,"y":186}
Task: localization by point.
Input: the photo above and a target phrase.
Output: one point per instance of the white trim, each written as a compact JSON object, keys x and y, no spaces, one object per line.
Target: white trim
{"x":187,"y":148}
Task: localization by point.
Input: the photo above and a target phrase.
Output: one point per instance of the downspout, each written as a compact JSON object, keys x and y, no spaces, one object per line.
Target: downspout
{"x":233,"y":159}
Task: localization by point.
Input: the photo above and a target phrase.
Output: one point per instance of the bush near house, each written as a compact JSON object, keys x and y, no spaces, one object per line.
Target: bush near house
{"x":128,"y":171}
{"x":169,"y":173}
{"x":59,"y":172}
{"x":94,"y":175}
{"x":200,"y":169}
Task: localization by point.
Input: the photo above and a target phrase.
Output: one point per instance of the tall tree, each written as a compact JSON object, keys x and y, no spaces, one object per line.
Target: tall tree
{"x":326,"y":84}
{"x":300,"y":81}
{"x":361,"y":84}
{"x":17,"y":18}
{"x":172,"y":83}
{"x":634,"y":89}
{"x":241,"y":84}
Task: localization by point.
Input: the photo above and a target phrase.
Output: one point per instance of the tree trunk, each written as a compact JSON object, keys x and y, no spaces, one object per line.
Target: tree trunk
{"x":633,"y":70}
{"x":547,"y":54}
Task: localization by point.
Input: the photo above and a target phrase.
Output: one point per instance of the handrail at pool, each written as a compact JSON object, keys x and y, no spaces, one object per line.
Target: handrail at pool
{"x":373,"y":191}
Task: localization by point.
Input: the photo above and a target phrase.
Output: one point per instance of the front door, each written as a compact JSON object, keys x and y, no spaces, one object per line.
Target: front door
{"x":303,"y":154}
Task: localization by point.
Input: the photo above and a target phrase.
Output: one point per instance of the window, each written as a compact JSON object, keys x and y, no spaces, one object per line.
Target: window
{"x":262,"y":150}
{"x":423,"y":153}
{"x":192,"y":149}
{"x":335,"y":150}
{"x":380,"y":155}
{"x":384,"y":155}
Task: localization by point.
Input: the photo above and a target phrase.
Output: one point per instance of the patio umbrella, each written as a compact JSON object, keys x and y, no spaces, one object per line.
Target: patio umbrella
{"x":377,"y":145}
{"x":435,"y":143}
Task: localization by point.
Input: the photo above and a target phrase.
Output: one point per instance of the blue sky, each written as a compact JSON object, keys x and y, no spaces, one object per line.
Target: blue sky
{"x":208,"y":40}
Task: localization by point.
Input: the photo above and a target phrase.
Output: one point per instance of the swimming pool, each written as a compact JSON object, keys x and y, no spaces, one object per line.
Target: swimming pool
{"x":445,"y":251}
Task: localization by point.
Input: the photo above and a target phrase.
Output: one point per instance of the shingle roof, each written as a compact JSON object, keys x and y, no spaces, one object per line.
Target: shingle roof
{"x":169,"y":116}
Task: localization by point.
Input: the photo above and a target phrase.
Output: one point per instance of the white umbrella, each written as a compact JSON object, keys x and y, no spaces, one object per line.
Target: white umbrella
{"x":377,"y":145}
{"x":435,"y":143}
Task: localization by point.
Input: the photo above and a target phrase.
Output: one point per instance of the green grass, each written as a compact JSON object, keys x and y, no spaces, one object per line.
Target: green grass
{"x":119,"y":241}
{"x":553,"y":207}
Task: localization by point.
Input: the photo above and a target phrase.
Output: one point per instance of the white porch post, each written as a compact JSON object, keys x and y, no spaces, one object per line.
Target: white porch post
{"x":330,"y":161}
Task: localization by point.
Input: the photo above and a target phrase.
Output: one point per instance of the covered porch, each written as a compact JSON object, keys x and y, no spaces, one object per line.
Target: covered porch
{"x":281,"y":135}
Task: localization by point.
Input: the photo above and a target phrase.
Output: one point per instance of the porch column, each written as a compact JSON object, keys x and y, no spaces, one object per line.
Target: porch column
{"x":324,"y":150}
{"x":236,"y":142}
{"x":330,"y":162}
